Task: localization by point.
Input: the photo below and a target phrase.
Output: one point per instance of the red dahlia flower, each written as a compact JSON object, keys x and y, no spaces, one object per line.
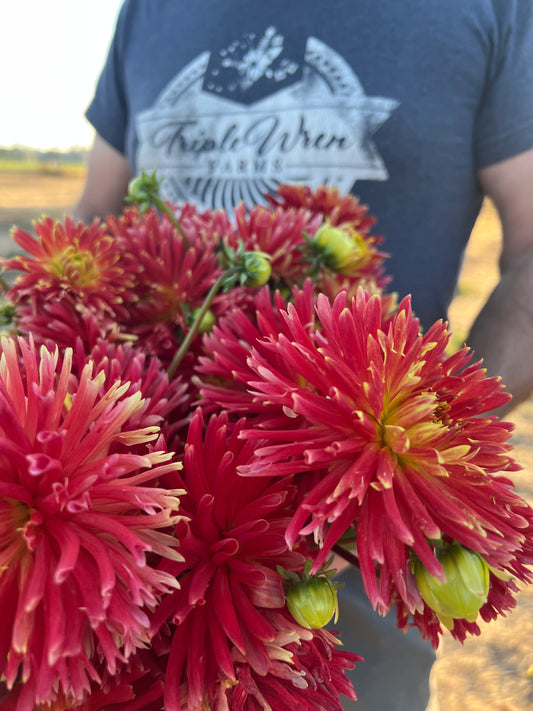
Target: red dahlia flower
{"x":320,"y":679}
{"x":278,"y":233}
{"x":172,"y":280}
{"x":229,"y":621}
{"x":208,"y":227}
{"x":327,"y":201}
{"x":354,"y":257}
{"x":389,"y":430}
{"x":70,"y":261}
{"x":137,"y":686}
{"x":77,"y":520}
{"x":172,"y":275}
{"x":63,"y":323}
{"x":166,"y":402}
{"x":225,"y":372}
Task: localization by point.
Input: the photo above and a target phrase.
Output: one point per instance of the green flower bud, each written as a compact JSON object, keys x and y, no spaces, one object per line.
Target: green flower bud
{"x":256,"y":268}
{"x":338,"y":249}
{"x":7,"y":314}
{"x":207,"y":322}
{"x":313,"y":601}
{"x":465,"y":590}
{"x":143,"y":188}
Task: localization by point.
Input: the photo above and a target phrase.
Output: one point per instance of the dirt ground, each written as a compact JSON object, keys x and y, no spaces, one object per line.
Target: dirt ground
{"x":490,"y":671}
{"x":26,"y":196}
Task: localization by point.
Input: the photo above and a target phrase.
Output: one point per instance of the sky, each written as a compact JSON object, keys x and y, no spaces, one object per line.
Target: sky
{"x":51,"y":53}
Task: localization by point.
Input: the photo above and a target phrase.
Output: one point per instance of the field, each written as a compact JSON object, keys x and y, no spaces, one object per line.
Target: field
{"x":26,"y":195}
{"x":489,"y":672}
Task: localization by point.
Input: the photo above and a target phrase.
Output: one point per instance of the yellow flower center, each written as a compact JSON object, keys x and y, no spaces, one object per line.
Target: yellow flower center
{"x":78,"y":267}
{"x":395,"y":438}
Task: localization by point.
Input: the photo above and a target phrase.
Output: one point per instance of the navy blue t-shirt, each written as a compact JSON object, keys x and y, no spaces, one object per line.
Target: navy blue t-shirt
{"x":399,"y":102}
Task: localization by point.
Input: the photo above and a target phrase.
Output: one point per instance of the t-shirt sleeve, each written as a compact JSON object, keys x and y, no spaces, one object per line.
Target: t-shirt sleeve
{"x":505,"y":120}
{"x":108,"y":110}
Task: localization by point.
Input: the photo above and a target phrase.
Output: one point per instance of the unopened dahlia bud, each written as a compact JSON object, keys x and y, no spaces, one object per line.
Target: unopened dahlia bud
{"x":465,"y":590}
{"x":257,"y":269}
{"x":313,"y":601}
{"x":143,"y":188}
{"x":338,"y":248}
{"x":7,"y":320}
{"x":207,"y":322}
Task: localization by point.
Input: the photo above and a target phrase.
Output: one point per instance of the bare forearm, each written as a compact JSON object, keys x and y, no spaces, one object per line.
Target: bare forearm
{"x":503,"y":332}
{"x":108,"y":174}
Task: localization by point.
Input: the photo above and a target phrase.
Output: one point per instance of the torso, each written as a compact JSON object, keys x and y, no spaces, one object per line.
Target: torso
{"x":229,"y":101}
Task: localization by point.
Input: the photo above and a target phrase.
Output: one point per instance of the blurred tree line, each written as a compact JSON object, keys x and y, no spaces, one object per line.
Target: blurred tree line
{"x":77,"y":155}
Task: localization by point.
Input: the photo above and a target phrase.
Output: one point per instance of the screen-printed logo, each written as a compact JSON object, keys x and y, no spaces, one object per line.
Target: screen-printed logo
{"x":236,"y":122}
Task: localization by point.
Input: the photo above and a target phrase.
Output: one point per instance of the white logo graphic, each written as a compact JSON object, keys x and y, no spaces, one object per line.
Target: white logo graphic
{"x":257,"y":61}
{"x":217,"y":152}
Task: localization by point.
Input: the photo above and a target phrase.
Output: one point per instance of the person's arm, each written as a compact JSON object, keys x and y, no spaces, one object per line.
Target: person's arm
{"x":106,"y":185}
{"x":503,"y":332}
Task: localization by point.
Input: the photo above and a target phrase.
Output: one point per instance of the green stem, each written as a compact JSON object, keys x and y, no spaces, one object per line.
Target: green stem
{"x":163,"y":207}
{"x":4,"y":284}
{"x":348,"y":557}
{"x":180,"y":354}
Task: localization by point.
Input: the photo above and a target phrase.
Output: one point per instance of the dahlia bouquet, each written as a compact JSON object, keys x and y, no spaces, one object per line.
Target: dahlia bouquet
{"x":199,"y":411}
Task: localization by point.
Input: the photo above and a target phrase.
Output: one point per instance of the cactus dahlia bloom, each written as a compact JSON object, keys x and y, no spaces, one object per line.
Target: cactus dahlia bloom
{"x":172,"y":274}
{"x":139,"y":684}
{"x":278,"y":233}
{"x":321,"y":679}
{"x":166,"y":401}
{"x":73,"y":261}
{"x":78,"y":516}
{"x":326,"y":200}
{"x":347,"y":246}
{"x":64,"y":322}
{"x":229,"y":622}
{"x":393,"y":427}
{"x":173,"y":277}
{"x":225,"y":373}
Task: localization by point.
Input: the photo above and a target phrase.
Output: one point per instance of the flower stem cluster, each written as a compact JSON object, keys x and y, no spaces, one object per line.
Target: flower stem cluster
{"x":144,"y":191}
